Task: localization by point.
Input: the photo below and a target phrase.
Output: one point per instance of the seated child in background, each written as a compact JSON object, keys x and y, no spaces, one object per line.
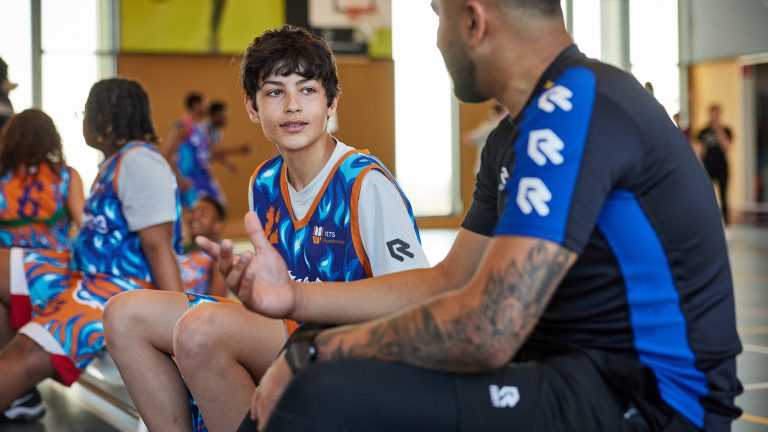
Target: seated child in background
{"x":40,"y":197}
{"x":198,"y":269}
{"x":130,"y":235}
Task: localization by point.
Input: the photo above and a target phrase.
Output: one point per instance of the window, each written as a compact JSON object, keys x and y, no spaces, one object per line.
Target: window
{"x":424,"y":139}
{"x":71,"y":65}
{"x":16,"y":50}
{"x":653,"y":49}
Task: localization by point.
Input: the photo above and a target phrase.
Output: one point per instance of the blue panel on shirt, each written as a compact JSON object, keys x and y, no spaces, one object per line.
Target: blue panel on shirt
{"x":659,"y":327}
{"x":548,"y":154}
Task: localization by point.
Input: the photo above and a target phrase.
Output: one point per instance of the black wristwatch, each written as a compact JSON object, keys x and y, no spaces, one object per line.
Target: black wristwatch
{"x":300,"y":350}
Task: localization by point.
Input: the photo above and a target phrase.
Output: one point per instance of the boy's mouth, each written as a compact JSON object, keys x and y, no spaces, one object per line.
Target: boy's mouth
{"x":293,"y":124}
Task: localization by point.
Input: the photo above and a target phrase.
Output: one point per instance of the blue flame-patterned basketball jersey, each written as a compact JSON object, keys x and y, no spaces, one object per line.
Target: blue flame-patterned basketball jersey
{"x":193,"y":162}
{"x":325,"y":245}
{"x":106,"y":246}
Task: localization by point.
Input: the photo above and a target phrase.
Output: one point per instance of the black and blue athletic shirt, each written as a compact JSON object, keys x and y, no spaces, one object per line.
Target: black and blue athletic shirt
{"x":594,"y":163}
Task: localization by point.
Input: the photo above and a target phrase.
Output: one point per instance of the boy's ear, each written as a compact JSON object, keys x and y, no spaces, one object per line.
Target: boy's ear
{"x":252,"y":113}
{"x":332,"y":108}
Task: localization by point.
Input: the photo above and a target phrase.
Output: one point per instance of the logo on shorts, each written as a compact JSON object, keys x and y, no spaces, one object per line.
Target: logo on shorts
{"x":504,"y":397}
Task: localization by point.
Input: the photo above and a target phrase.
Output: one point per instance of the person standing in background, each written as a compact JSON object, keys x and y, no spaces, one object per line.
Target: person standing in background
{"x":716,"y":139}
{"x":6,"y":108}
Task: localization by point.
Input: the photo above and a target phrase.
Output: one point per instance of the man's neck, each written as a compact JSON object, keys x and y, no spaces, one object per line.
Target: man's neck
{"x":526,"y":70}
{"x":304,"y":165}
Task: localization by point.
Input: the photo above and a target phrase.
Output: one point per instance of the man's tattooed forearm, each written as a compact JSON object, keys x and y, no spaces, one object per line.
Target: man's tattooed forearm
{"x":473,"y":336}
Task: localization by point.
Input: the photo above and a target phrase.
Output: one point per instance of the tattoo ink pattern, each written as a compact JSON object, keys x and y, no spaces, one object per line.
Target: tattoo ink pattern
{"x":469,"y":337}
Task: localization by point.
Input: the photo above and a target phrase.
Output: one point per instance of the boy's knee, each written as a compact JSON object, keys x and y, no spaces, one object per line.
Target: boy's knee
{"x":196,"y":333}
{"x":122,"y":316}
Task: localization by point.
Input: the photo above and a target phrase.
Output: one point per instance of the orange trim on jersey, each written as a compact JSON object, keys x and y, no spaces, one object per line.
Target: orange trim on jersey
{"x":290,"y":327}
{"x":287,"y":196}
{"x":357,"y":240}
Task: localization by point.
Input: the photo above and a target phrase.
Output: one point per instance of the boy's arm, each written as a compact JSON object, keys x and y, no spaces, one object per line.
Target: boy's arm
{"x":386,"y":230}
{"x":156,"y":241}
{"x":371,"y":298}
{"x":261,"y":281}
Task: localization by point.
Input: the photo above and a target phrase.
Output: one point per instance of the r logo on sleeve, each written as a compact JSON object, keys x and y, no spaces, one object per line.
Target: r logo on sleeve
{"x":553,"y":133}
{"x":399,"y":249}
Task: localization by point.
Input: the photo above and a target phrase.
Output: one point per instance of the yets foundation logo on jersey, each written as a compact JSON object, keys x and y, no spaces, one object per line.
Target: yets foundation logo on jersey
{"x":317,"y":234}
{"x":322,"y":235}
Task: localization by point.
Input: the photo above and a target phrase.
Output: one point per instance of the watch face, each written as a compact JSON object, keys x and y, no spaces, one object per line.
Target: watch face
{"x":300,"y":354}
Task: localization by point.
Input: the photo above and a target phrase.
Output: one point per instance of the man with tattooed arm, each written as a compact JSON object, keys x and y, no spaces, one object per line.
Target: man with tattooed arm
{"x":588,"y":288}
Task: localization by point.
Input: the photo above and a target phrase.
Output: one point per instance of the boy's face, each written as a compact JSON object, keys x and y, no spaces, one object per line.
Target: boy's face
{"x":204,"y":220}
{"x":293,"y":111}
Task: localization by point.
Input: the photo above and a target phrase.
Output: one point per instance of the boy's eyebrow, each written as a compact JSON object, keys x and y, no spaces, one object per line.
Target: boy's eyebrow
{"x":281,"y":83}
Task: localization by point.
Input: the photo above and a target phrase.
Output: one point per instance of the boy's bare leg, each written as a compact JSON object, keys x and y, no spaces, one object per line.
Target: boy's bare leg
{"x":139,"y":331}
{"x":23,"y":364}
{"x":222,"y":351}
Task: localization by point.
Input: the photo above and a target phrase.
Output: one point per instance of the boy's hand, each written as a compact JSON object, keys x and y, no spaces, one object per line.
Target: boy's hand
{"x":223,"y":254}
{"x":264,"y":286}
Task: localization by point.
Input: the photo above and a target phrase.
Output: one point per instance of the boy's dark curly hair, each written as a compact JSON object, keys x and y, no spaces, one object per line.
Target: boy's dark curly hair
{"x":286,"y":50}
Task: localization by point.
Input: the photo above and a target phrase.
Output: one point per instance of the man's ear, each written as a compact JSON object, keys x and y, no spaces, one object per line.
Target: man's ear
{"x":332,"y":108}
{"x":474,"y":22}
{"x":252,"y":113}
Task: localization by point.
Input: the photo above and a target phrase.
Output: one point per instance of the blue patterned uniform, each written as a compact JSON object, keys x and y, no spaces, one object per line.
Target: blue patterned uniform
{"x":323,"y":246}
{"x":109,"y":260}
{"x":33,"y":209}
{"x":35,"y":224}
{"x":193,"y":162}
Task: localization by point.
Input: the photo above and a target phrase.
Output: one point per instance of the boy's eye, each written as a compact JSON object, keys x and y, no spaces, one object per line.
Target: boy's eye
{"x":275,"y":92}
{"x":308,"y":90}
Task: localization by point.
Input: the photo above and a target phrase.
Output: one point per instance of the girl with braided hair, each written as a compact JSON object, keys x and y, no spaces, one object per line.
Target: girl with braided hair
{"x":129,"y":239}
{"x":40,"y":197}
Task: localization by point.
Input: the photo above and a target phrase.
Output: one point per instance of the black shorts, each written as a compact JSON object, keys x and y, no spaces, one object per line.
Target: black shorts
{"x":566,"y":393}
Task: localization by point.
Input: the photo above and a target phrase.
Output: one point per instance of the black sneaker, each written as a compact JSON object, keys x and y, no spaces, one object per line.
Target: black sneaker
{"x":26,"y":409}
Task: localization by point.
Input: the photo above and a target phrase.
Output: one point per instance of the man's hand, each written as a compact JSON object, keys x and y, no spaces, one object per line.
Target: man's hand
{"x":270,"y":390}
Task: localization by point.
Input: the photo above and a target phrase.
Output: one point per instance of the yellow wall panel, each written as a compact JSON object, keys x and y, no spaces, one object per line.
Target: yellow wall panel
{"x":185,"y":26}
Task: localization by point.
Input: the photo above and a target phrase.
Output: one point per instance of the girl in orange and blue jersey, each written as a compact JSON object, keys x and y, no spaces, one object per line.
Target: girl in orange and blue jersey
{"x":40,"y":197}
{"x":129,"y":240}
